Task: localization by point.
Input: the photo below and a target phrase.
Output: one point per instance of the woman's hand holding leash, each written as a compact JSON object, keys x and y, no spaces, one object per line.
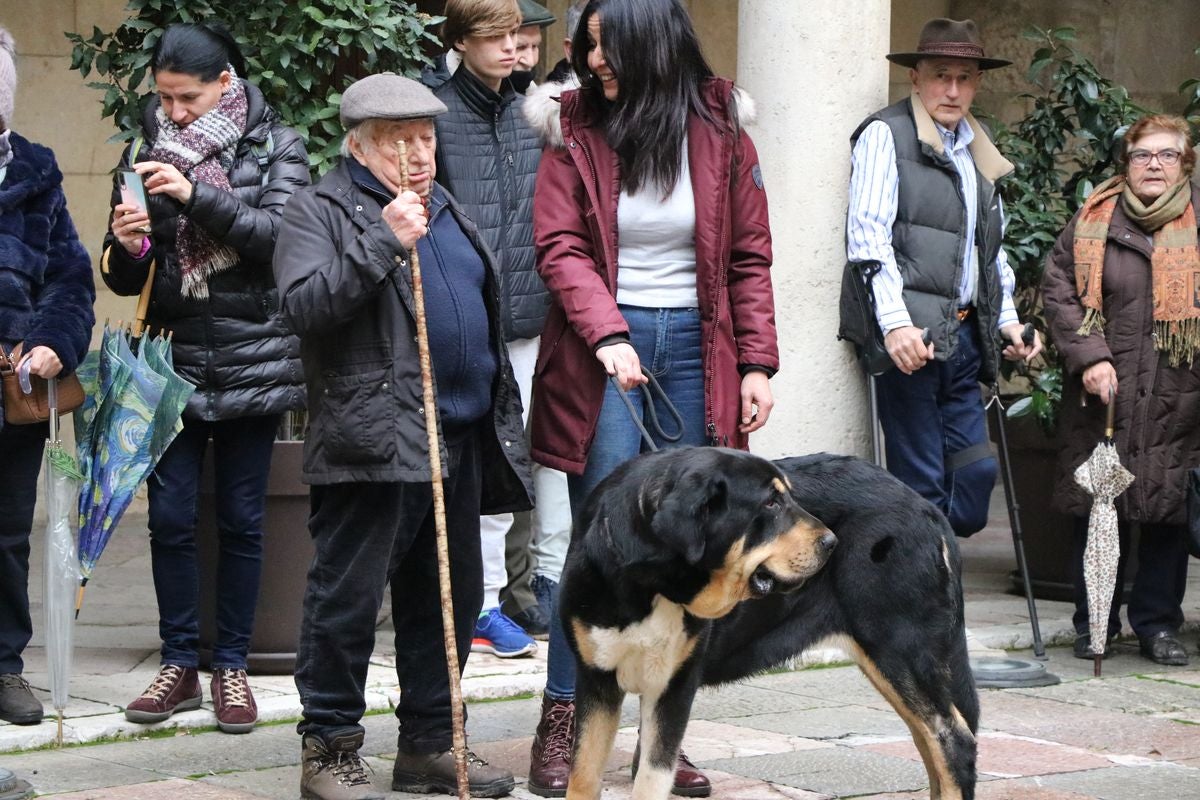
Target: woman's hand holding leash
{"x":621,"y":361}
{"x":757,"y":401}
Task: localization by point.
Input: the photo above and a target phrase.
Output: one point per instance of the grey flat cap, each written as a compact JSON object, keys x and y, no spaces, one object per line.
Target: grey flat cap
{"x":388,"y":96}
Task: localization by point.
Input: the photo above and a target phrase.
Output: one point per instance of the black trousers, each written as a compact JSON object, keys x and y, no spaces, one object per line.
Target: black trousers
{"x":1156,"y":598}
{"x":20,"y":463}
{"x":367,"y":535}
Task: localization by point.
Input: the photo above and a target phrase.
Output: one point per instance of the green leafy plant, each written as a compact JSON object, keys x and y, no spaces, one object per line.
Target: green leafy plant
{"x":301,"y":55}
{"x":1062,"y":148}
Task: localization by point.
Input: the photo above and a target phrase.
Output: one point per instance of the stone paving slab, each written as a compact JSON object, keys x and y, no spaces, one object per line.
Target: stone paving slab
{"x":846,"y":722}
{"x":836,"y":771}
{"x":1004,"y":756}
{"x":1133,"y":782}
{"x":1097,"y":730}
{"x":1135,"y":694}
{"x":175,"y":789}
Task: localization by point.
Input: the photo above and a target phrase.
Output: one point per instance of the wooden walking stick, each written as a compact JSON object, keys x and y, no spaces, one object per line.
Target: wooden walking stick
{"x":439,"y":509}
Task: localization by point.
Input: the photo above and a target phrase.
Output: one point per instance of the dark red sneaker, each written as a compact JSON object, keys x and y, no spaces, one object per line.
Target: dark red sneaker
{"x":233,"y":702}
{"x":174,"y":688}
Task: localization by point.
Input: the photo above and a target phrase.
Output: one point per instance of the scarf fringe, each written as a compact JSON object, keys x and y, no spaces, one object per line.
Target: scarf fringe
{"x":1093,"y":322}
{"x":195,"y":281}
{"x":1179,"y":339}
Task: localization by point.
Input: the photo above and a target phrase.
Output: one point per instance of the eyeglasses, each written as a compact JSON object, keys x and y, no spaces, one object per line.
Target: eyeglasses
{"x":1141,"y":158}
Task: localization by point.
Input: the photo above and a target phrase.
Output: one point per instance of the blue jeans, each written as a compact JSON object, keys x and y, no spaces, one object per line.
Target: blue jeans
{"x":667,"y":341}
{"x":20,"y":463}
{"x":242,"y":459}
{"x":932,"y":416}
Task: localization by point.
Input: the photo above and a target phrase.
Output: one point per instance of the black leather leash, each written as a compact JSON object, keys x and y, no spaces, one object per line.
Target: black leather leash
{"x":650,"y":389}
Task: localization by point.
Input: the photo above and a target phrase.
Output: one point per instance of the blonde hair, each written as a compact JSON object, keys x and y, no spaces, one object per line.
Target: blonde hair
{"x":478,"y":18}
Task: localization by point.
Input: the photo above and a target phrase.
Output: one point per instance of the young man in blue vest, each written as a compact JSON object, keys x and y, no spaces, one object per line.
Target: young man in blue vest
{"x":924,"y":207}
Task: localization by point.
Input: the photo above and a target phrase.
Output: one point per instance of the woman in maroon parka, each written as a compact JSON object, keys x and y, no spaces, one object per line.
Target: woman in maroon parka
{"x":650,"y":223}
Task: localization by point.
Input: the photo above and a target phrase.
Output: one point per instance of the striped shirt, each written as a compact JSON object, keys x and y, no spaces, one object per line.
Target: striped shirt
{"x":874,"y":186}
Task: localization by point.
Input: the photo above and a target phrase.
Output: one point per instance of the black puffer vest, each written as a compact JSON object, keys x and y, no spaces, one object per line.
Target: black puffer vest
{"x":487,"y":156}
{"x":928,"y":235}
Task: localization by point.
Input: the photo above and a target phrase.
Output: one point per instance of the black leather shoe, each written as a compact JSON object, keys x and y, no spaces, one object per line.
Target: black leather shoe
{"x":1164,"y":648}
{"x":1083,"y":647}
{"x":532,"y":621}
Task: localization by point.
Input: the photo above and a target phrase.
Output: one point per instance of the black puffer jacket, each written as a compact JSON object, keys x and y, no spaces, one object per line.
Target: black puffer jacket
{"x":487,"y":157}
{"x":233,"y":345}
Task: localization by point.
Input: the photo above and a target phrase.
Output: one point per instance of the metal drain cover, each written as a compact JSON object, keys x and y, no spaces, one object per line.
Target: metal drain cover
{"x":1010,"y":673}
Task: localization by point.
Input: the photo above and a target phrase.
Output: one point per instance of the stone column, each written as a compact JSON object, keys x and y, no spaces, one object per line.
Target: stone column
{"x":815,"y":71}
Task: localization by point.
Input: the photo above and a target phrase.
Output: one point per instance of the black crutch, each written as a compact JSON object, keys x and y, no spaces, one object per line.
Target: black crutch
{"x":1014,"y":508}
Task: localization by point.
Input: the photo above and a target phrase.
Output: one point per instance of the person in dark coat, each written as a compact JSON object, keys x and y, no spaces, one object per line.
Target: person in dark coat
{"x":218,"y":167}
{"x":343,"y":271}
{"x":46,"y":296}
{"x":653,"y":238}
{"x":1122,"y":299}
{"x":488,"y":158}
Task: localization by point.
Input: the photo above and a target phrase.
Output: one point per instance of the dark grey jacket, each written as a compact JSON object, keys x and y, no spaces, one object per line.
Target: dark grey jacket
{"x":487,"y":157}
{"x":928,"y":235}
{"x":233,"y":345}
{"x":346,"y":288}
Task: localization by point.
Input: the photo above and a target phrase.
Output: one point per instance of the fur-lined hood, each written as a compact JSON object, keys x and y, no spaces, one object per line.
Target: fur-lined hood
{"x":542,"y":109}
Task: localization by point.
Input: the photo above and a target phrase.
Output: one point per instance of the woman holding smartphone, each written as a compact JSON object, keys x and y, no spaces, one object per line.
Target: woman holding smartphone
{"x":217,"y":167}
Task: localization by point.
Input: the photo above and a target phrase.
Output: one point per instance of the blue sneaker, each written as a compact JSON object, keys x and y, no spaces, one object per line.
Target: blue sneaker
{"x":500,"y":636}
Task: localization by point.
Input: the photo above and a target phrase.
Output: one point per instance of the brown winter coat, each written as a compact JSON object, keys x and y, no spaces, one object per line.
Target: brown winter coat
{"x":1158,"y":407}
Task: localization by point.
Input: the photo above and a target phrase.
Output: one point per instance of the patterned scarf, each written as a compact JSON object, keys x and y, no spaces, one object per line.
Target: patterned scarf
{"x":1174,"y":262}
{"x":6,"y":154}
{"x":203,"y":151}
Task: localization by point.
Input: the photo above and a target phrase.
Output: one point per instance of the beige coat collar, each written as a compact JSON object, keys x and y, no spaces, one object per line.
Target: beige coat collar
{"x":988,"y":160}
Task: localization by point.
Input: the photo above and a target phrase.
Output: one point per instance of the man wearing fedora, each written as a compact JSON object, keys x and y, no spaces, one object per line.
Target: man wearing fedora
{"x":345,"y":286}
{"x":924,"y":226}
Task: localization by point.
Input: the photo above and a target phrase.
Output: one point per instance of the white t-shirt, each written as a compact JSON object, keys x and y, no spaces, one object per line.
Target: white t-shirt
{"x":656,"y":259}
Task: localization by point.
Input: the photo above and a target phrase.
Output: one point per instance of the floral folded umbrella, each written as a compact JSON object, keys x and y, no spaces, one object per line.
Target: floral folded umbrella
{"x":1102,"y":476}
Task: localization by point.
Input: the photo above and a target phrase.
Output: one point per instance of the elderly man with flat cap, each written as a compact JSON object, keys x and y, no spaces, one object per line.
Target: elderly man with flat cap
{"x":345,"y":283}
{"x":924,"y":230}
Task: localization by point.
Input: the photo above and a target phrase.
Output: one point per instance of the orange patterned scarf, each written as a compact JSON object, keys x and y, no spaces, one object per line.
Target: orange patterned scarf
{"x":1174,"y":262}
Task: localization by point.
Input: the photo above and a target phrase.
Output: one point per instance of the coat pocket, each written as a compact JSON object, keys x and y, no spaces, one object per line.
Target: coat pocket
{"x":359,"y":413}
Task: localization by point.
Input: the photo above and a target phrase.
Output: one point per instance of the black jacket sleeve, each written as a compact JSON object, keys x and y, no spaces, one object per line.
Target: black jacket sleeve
{"x":249,"y":229}
{"x":325,"y":268}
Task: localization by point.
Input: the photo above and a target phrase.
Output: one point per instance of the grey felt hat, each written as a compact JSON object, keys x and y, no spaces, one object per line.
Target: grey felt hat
{"x":388,"y":96}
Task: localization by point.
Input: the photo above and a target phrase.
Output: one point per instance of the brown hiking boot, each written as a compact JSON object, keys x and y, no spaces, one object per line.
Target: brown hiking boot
{"x":334,"y":770}
{"x":424,"y":773}
{"x":174,"y":688}
{"x":232,"y":700}
{"x":550,"y":757}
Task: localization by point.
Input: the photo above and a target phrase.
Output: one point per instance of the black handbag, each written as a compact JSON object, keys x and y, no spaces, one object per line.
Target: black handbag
{"x":1193,"y":511}
{"x":858,"y":324}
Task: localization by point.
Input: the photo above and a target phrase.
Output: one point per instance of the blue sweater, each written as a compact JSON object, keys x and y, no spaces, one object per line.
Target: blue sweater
{"x":454,"y":281}
{"x":46,"y":287}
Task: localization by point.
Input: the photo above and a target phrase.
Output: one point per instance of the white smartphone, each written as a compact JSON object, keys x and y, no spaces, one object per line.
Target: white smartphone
{"x":133,"y":192}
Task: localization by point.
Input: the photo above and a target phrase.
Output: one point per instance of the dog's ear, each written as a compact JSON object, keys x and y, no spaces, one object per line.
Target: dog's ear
{"x":680,"y":507}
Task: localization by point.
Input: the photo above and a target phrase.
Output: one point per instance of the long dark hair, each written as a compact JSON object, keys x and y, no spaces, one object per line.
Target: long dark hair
{"x":203,"y":50}
{"x":651,"y":47}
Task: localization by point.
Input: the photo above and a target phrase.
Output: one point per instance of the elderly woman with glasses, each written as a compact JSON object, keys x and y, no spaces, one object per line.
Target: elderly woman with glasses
{"x":1122,"y":298}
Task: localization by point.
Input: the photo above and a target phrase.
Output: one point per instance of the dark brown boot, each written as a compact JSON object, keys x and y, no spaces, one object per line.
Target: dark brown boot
{"x":550,"y":757}
{"x":689,"y":780}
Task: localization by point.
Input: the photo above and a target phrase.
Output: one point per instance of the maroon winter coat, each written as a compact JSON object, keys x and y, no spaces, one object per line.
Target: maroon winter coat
{"x":1158,"y":406}
{"x":575,"y":235}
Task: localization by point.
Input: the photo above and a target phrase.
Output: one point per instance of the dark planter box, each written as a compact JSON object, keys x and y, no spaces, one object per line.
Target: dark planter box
{"x":1047,"y":534}
{"x":287,"y":553}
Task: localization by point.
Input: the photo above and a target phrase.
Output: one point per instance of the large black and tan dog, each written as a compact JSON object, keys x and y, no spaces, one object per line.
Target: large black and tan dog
{"x":668,"y":547}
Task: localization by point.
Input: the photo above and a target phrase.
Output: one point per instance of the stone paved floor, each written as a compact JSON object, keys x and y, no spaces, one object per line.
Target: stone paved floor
{"x":817,"y":732}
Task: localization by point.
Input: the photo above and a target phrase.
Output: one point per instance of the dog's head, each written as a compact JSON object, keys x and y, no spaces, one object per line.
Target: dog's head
{"x":723,"y":523}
